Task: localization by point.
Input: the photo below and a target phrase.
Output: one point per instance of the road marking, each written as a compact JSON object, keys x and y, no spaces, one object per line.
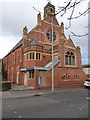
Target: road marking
{"x":71,"y":105}
{"x":15,"y":112}
{"x":88,"y":98}
{"x":9,"y":106}
{"x":80,"y":108}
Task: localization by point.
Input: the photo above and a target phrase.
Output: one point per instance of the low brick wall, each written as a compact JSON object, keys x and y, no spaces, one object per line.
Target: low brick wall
{"x":5,"y":85}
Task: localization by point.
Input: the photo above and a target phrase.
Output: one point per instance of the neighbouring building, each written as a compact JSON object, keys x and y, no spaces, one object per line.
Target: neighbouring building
{"x":86,"y":69}
{"x":30,"y":61}
{"x":0,"y":67}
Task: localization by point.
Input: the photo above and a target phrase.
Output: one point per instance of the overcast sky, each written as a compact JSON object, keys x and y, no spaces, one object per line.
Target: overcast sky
{"x":15,"y":14}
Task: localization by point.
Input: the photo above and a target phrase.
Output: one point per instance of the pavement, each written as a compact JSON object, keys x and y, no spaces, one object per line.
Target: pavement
{"x":20,"y":91}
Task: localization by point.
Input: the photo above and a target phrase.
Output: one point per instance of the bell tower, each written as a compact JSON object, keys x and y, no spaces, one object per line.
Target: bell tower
{"x":49,"y":9}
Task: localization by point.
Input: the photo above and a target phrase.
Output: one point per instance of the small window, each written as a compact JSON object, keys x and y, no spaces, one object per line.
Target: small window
{"x":40,"y":81}
{"x":13,"y":59}
{"x":66,"y":77}
{"x":51,"y":10}
{"x":27,"y":56}
{"x":31,"y":55}
{"x":31,"y":74}
{"x":49,"y":35}
{"x":76,"y":76}
{"x":18,"y":57}
{"x":38,"y":56}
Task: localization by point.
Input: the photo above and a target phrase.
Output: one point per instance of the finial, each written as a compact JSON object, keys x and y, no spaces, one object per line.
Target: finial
{"x":25,"y":30}
{"x":49,"y":1}
{"x":69,"y":36}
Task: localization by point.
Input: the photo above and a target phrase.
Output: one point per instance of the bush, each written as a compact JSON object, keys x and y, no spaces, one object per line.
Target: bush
{"x":6,"y":85}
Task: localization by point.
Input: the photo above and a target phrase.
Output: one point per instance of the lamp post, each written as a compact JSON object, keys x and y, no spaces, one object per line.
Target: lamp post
{"x":52,"y":16}
{"x":52,"y":56}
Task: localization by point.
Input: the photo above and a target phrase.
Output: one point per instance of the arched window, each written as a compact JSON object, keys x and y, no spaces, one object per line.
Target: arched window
{"x":66,"y":59}
{"x":18,"y":57}
{"x":73,"y":60}
{"x":66,"y":77}
{"x":69,"y":58}
{"x":76,"y":77}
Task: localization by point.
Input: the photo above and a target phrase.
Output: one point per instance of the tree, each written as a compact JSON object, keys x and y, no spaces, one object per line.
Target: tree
{"x":71,"y":5}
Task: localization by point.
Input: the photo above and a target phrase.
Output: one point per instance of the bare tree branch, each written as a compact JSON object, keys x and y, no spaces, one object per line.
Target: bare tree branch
{"x":64,"y":8}
{"x":84,"y":13}
{"x":72,"y":5}
{"x":83,"y":35}
{"x":37,"y":10}
{"x":88,"y":26}
{"x":71,"y":15}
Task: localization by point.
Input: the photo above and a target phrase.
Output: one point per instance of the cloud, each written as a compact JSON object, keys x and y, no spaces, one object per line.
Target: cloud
{"x":6,"y":44}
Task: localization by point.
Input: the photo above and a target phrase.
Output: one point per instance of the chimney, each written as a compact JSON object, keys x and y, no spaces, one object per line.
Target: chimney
{"x":39,"y":19}
{"x":25,"y":35}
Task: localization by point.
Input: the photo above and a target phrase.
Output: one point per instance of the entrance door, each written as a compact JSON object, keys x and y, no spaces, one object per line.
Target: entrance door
{"x":17,"y":77}
{"x":42,"y":78}
{"x":25,"y":78}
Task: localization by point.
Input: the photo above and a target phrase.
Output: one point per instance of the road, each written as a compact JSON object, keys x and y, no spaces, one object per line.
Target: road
{"x":63,"y":105}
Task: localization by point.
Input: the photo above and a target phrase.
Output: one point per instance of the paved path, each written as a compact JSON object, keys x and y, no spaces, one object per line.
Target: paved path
{"x":27,"y":93}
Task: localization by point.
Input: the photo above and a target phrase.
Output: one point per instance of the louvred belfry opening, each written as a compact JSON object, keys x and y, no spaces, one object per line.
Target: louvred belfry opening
{"x":49,"y":9}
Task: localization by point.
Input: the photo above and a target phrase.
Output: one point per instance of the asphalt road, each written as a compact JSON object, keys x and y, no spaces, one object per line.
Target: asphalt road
{"x":64,"y":105}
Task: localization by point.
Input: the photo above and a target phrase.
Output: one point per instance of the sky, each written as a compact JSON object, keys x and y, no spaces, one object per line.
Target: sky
{"x":16,"y":14}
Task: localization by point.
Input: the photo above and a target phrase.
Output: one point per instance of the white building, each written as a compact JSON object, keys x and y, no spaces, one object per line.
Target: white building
{"x":86,"y":69}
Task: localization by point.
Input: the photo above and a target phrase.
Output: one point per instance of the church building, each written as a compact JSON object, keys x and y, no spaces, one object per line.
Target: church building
{"x":29,"y":63}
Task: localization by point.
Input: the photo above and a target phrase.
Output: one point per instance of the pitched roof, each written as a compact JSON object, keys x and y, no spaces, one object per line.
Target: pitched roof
{"x":33,"y":42}
{"x":49,"y":64}
{"x":69,"y":42}
{"x":16,"y":46}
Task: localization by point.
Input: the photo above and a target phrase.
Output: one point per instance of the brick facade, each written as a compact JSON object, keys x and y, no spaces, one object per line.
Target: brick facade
{"x":25,"y":64}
